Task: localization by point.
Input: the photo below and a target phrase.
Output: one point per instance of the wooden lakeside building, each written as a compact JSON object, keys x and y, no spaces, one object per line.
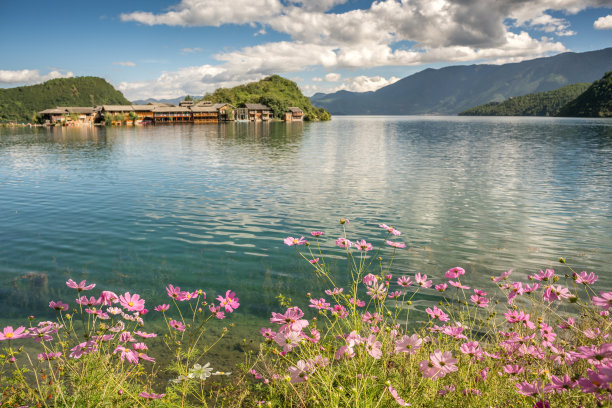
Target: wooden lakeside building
{"x":163,"y":113}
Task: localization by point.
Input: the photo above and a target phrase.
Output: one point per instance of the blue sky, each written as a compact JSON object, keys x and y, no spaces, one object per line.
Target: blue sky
{"x":166,"y":49}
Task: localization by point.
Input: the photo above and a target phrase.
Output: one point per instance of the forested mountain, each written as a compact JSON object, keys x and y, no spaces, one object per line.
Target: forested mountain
{"x":21,"y":104}
{"x":274,"y":91}
{"x":454,"y":89}
{"x":594,"y":102}
{"x":535,"y":104}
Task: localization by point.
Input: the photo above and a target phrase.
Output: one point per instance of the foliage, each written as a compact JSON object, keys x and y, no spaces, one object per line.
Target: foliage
{"x":274,"y":91}
{"x":96,"y":353}
{"x":536,"y":104}
{"x":375,"y":343}
{"x":18,"y":104}
{"x":594,"y":102}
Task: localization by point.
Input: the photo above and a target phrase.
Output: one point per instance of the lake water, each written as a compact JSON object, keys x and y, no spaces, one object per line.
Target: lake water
{"x":208,"y":206}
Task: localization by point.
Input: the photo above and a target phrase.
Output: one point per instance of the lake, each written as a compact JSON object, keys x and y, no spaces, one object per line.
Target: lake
{"x":208,"y":206}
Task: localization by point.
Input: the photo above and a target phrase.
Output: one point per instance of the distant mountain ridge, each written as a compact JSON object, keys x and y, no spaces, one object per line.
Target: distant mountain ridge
{"x":173,"y":101}
{"x":21,"y":104}
{"x":450,"y":90}
{"x":594,"y":102}
{"x":535,"y":104}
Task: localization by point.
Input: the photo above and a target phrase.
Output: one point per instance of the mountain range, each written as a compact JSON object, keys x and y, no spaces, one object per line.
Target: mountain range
{"x":450,"y":90}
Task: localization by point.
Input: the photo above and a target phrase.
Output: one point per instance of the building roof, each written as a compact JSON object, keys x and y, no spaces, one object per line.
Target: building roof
{"x":294,"y":109}
{"x":117,"y":108}
{"x":170,"y":109}
{"x":204,"y":103}
{"x":160,"y":104}
{"x":220,"y":105}
{"x":256,"y":106}
{"x":53,"y":111}
{"x":77,"y":109}
{"x":142,"y":108}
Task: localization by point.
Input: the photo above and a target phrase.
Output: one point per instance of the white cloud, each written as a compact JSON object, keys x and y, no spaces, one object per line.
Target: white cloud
{"x":30,"y":76}
{"x":332,"y":77}
{"x":191,"y":50}
{"x":447,"y":31}
{"x":125,"y":63}
{"x":603,"y":23}
{"x":364,"y":83}
{"x":209,"y":13}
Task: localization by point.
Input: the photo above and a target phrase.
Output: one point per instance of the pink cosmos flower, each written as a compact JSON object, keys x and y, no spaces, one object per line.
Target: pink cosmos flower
{"x":216,"y":310}
{"x":8,"y":333}
{"x":480,"y":292}
{"x":290,"y":241}
{"x":370,"y":279}
{"x":126,"y":354}
{"x":437,"y":313}
{"x":408,"y":344}
{"x":446,"y":390}
{"x":516,"y":288}
{"x":319,"y":304}
{"x":531,"y":288}
{"x":161,"y":308}
{"x":173,"y":292}
{"x":394,"y":295}
{"x":91,"y":301}
{"x":229,"y":302}
{"x":288,"y":340}
{"x":404,"y":281}
{"x":396,"y":244}
{"x":177,"y":325}
{"x":374,"y":347}
{"x":291,"y":320}
{"x":371,"y":318}
{"x":132,"y":303}
{"x":357,"y":302}
{"x":390,"y":230}
{"x":377,"y":291}
{"x":454,"y":273}
{"x":58,"y":305}
{"x":316,"y":233}
{"x":79,"y":286}
{"x":339,"y":311}
{"x":441,"y":287}
{"x":344,"y":352}
{"x":82,"y":349}
{"x":547,"y":275}
{"x":186,"y":296}
{"x":299,"y":373}
{"x":561,"y":384}
{"x":480,"y":301}
{"x":440,"y":364}
{"x":502,"y":276}
{"x":397,"y":398}
{"x":49,"y":356}
{"x":513,"y":369}
{"x":314,"y":261}
{"x":363,"y":245}
{"x":422,"y":281}
{"x":604,"y":301}
{"x":150,"y":395}
{"x":529,"y":389}
{"x":343,"y":243}
{"x":458,"y":285}
{"x":107,"y":298}
{"x":586,"y":278}
{"x":267,"y":333}
{"x":556,"y":292}
{"x":335,"y":291}
{"x":472,"y":349}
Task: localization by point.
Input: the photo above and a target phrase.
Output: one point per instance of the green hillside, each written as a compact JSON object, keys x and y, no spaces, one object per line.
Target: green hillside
{"x":594,"y":102}
{"x":21,"y":104}
{"x":535,"y":104}
{"x":274,"y":91}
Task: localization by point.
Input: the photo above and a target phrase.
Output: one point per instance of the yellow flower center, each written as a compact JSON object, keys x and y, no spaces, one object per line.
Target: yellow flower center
{"x":130,"y":303}
{"x":9,"y":335}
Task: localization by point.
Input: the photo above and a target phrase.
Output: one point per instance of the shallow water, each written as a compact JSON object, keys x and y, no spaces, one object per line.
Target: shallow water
{"x":208,"y":206}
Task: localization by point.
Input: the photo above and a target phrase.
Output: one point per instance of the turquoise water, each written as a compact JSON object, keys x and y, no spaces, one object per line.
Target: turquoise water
{"x":208,"y":206}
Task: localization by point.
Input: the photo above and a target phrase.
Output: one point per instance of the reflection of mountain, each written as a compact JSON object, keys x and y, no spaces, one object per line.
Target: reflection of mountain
{"x":453,"y":89}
